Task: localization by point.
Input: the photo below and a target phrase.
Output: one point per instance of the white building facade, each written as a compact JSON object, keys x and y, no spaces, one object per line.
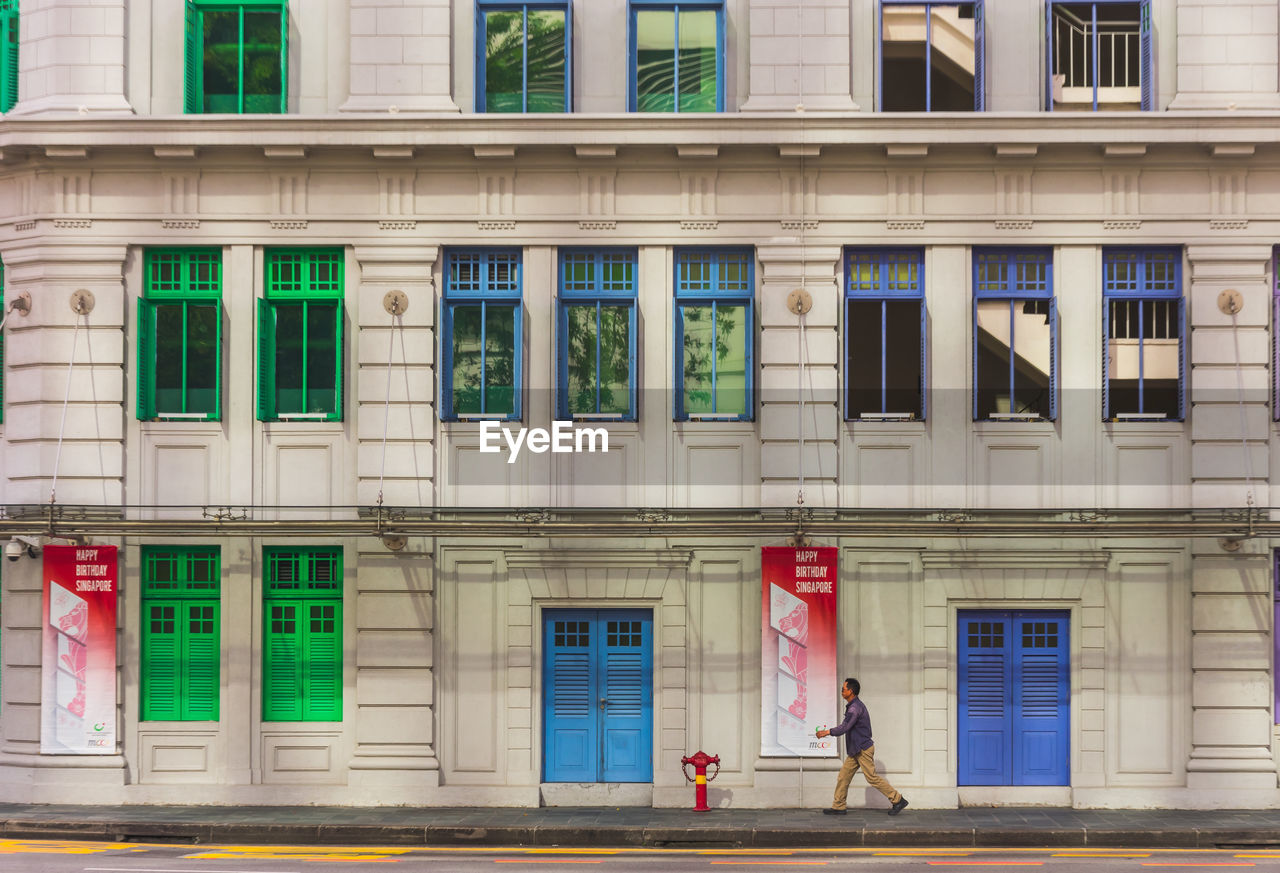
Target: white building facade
{"x":1013,"y":388}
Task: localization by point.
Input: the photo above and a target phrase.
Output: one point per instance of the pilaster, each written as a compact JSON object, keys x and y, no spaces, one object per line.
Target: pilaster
{"x":799,"y":56}
{"x":72,"y":58}
{"x":400,"y":53}
{"x":1226,"y":55}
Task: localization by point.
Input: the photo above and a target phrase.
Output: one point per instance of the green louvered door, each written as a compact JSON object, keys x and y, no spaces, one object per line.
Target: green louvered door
{"x":302,"y":637}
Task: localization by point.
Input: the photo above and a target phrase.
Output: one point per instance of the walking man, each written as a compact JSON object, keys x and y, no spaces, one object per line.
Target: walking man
{"x":856,"y":729}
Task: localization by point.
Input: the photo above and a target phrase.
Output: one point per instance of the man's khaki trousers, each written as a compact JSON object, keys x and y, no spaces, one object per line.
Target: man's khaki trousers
{"x":864,"y":760}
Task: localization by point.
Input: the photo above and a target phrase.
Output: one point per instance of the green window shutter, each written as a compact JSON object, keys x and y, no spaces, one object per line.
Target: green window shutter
{"x":9,"y":43}
{"x":284,"y":59}
{"x":192,"y":98}
{"x":161,"y":690}
{"x":337,"y":410}
{"x":266,"y":360}
{"x":146,"y":362}
{"x":323,"y":646}
{"x":282,"y":661}
{"x":201,"y":660}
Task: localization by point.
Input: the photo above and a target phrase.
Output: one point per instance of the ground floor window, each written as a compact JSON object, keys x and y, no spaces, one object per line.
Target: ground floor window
{"x":302,"y":636}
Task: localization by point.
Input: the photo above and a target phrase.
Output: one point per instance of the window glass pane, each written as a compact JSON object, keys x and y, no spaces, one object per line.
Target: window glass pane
{"x":504,"y":61}
{"x":262,"y":77}
{"x":699,"y":348}
{"x":698,"y":61}
{"x":168,"y":370}
{"x":322,"y":357}
{"x":902,"y":356}
{"x":992,"y":327}
{"x":951,"y":58}
{"x":655,"y":60}
{"x":904,"y":60}
{"x":1143,"y":357}
{"x":731,"y":360}
{"x":615,"y":359}
{"x":221,"y":74}
{"x":582,"y":350}
{"x":865,"y":356}
{"x":468,"y":378}
{"x":290,"y":358}
{"x":1033,"y":356}
{"x":202,"y":358}
{"x":500,"y":360}
{"x":546,"y":60}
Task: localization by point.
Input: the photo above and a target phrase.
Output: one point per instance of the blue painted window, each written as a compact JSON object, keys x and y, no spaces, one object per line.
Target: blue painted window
{"x":524,"y":56}
{"x":597,"y":335}
{"x":676,"y":56}
{"x":481,"y":324}
{"x":1013,"y":696}
{"x":1144,"y":322}
{"x":1015,"y":335}
{"x":884,"y":334}
{"x":715,"y":329}
{"x":932,"y":56}
{"x":1099,"y":55}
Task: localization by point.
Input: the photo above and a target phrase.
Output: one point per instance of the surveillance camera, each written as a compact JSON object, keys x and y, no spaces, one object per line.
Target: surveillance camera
{"x":19,"y":546}
{"x":13,"y":550}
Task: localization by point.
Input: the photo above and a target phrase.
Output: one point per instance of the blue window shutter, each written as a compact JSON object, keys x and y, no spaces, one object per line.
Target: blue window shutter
{"x":924,"y":359}
{"x":570,"y":709}
{"x":1106,"y":357}
{"x":1053,"y":358}
{"x":1042,"y":694}
{"x":562,"y":363}
{"x":1048,"y":55}
{"x":880,"y":58}
{"x":1148,"y":62}
{"x":1183,"y":345}
{"x":979,"y":57}
{"x":973,"y":363}
{"x":677,"y":396}
{"x":626,"y":685}
{"x":983,"y":695}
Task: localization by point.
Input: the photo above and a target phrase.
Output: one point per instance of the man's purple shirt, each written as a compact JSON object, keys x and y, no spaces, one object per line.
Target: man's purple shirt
{"x":856,"y":728}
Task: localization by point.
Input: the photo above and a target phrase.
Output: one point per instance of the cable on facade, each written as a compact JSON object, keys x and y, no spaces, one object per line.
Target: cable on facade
{"x":396,"y":304}
{"x":1234,"y":309}
{"x":66,"y":399}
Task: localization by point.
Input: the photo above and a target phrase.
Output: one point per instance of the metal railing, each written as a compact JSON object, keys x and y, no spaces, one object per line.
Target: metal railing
{"x":1118,"y":44}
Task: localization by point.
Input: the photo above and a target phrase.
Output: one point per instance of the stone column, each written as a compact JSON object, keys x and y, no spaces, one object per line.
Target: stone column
{"x":786,"y":266}
{"x":1226,"y":55}
{"x":400,"y":55}
{"x":799,"y":56}
{"x":71,"y":58}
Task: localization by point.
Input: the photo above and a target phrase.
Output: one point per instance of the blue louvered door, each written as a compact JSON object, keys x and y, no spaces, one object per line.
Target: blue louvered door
{"x":1013,"y":691}
{"x":598,"y":695}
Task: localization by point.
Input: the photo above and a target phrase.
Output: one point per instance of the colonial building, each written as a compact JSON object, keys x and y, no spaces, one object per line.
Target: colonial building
{"x":979,"y":292}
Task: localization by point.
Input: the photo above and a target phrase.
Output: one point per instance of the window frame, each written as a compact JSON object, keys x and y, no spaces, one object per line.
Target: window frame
{"x":485,"y":296}
{"x":1146,"y":46}
{"x":1142,"y":294}
{"x":308,"y":594}
{"x":1011,"y":292}
{"x":10,"y":49}
{"x":979,"y":50}
{"x":276,"y":296}
{"x":184,"y":594}
{"x":601,"y":297}
{"x":147,"y":329}
{"x":481,"y":58}
{"x":635,"y":6}
{"x":884,"y":293}
{"x":193,"y":48}
{"x":713,"y":296}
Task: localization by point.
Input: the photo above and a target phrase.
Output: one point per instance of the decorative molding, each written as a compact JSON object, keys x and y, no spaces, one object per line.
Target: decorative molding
{"x":905,"y":224}
{"x":906,"y":193}
{"x":1227,"y":190}
{"x":288,"y":224}
{"x":597,"y":225}
{"x":497,"y":192}
{"x":1125,"y":150}
{"x":289,"y":193}
{"x":175,"y":152}
{"x":71,"y":193}
{"x":180,"y":223}
{"x":698,"y":192}
{"x":397,"y":225}
{"x":1120,"y":191}
{"x":23,"y":226}
{"x":73,"y":152}
{"x":393,"y":152}
{"x":1083,"y":559}
{"x":799,"y":193}
{"x":1232,"y":150}
{"x":545,"y":559}
{"x":494,"y":151}
{"x":799,"y":223}
{"x":395,"y":193}
{"x":596,"y":151}
{"x":181,"y":192}
{"x":1014,"y":224}
{"x":915,"y":150}
{"x":1013,"y":192}
{"x":1016,"y":150}
{"x":697,"y":151}
{"x":596,"y":191}
{"x":799,"y":151}
{"x":284,"y":152}
{"x":495,"y":225}
{"x":699,"y":225}
{"x":1228,"y":224}
{"x":73,"y":223}
{"x":1122,"y":224}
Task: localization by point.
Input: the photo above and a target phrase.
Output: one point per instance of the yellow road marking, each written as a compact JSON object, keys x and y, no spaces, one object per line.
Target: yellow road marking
{"x":546,"y":861}
{"x":48,"y":847}
{"x":568,"y":851}
{"x":1101,"y":855}
{"x":781,"y":863}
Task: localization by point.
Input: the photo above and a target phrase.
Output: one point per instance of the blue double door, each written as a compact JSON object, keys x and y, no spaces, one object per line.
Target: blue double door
{"x":1014,"y":695}
{"x":597,"y":679}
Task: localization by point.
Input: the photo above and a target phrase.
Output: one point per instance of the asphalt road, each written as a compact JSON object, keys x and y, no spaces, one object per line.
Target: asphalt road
{"x":46,"y":856}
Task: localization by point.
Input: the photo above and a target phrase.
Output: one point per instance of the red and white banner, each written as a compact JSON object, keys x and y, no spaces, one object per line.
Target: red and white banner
{"x":78,"y":671}
{"x":799,"y":688}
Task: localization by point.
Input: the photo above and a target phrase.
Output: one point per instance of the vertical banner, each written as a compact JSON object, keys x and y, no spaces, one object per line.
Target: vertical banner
{"x":798,"y":685}
{"x":78,"y":670}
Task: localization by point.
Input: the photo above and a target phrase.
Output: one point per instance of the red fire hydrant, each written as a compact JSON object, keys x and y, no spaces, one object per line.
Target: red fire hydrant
{"x":700,"y":760}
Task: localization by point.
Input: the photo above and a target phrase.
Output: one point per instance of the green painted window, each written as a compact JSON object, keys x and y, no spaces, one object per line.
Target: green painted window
{"x":2,"y":290}
{"x":8,"y":54}
{"x":302,"y":635}
{"x":300,"y":336}
{"x":237,"y":56}
{"x":181,"y":608}
{"x":180,"y":335}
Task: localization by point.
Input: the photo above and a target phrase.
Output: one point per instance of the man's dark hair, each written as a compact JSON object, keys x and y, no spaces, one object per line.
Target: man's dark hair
{"x":853,"y":686}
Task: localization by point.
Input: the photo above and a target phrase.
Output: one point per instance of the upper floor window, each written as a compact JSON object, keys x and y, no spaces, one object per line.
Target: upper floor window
{"x":180,"y":335}
{"x":8,"y":54}
{"x":884,"y":334}
{"x":237,"y":56}
{"x":1099,"y":55}
{"x":1015,"y":335}
{"x":181,"y":654}
{"x":677,"y":56}
{"x":523,"y":57}
{"x":932,"y":56}
{"x":481,"y":331}
{"x":715,"y":293}
{"x":597,"y":341}
{"x":302,"y":635}
{"x":300,"y":336}
{"x":1144,"y":321}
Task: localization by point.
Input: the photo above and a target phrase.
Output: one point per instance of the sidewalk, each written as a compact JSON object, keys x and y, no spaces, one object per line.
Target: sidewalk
{"x":635,"y":826}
